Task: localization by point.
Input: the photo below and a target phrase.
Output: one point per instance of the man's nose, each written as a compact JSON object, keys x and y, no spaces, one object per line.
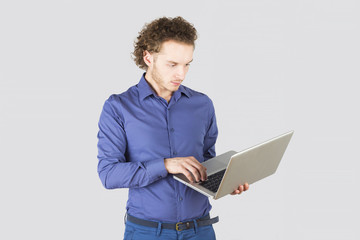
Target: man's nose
{"x":181,"y":72}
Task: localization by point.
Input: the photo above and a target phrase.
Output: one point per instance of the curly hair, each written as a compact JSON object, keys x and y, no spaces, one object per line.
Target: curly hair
{"x":158,"y":31}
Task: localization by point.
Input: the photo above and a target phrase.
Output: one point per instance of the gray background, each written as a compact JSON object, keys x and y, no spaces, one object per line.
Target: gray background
{"x":269,"y":66}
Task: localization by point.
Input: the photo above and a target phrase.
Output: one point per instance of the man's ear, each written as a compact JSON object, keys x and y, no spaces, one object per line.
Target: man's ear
{"x":148,"y":58}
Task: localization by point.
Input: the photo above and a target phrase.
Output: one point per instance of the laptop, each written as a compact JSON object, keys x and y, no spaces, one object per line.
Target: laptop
{"x":230,"y":169}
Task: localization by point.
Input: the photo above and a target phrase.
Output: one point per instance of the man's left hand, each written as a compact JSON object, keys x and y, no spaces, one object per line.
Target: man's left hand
{"x":241,"y":189}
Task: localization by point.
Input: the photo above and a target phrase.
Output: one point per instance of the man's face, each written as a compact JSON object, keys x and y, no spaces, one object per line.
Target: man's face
{"x":167,"y":68}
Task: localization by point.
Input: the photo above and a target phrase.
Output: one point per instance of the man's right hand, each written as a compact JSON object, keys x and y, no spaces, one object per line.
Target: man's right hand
{"x":188,"y":166}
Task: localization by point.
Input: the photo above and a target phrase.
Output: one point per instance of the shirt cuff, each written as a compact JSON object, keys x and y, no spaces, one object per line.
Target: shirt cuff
{"x":156,"y":169}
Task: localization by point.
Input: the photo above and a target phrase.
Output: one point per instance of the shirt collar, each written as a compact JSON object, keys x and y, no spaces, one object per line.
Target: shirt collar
{"x":145,"y":90}
{"x":182,"y":90}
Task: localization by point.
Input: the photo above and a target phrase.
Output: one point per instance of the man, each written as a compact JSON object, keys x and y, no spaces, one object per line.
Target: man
{"x":158,"y":128}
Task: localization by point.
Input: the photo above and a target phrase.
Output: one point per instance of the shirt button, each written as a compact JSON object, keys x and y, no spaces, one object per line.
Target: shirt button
{"x":180,"y":199}
{"x":172,"y":130}
{"x":175,"y":153}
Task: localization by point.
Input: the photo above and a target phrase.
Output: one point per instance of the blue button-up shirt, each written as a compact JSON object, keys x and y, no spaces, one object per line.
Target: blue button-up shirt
{"x":137,"y":130}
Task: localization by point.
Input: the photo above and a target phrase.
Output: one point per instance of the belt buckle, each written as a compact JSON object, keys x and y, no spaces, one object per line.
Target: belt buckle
{"x":179,"y":223}
{"x":177,"y":226}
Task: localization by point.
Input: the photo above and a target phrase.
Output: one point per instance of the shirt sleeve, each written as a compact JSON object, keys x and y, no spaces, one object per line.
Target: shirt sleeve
{"x":113,"y":169}
{"x":211,"y":135}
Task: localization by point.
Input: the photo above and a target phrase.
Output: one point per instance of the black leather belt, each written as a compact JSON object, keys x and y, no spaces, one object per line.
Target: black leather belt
{"x":204,"y":221}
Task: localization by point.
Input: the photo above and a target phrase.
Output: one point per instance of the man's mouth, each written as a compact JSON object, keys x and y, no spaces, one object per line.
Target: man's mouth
{"x":176,"y":83}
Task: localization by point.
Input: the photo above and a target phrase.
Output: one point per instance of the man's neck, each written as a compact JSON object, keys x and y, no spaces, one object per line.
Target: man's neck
{"x":157,"y":89}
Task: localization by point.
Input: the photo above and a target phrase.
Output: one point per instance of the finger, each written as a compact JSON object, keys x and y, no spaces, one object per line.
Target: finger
{"x":246,"y":186}
{"x":195,"y":173}
{"x":199,"y":167}
{"x":188,"y":175}
{"x":203,"y":174}
{"x":235,"y":192}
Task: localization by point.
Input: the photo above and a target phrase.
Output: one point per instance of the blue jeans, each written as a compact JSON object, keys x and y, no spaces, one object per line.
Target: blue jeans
{"x":138,"y":232}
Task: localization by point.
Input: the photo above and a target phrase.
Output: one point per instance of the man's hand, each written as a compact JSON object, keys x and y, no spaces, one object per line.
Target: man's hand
{"x":188,"y":166}
{"x":241,"y":188}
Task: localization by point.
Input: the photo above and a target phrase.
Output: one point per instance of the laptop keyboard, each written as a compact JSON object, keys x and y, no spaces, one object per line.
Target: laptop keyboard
{"x":213,"y":181}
